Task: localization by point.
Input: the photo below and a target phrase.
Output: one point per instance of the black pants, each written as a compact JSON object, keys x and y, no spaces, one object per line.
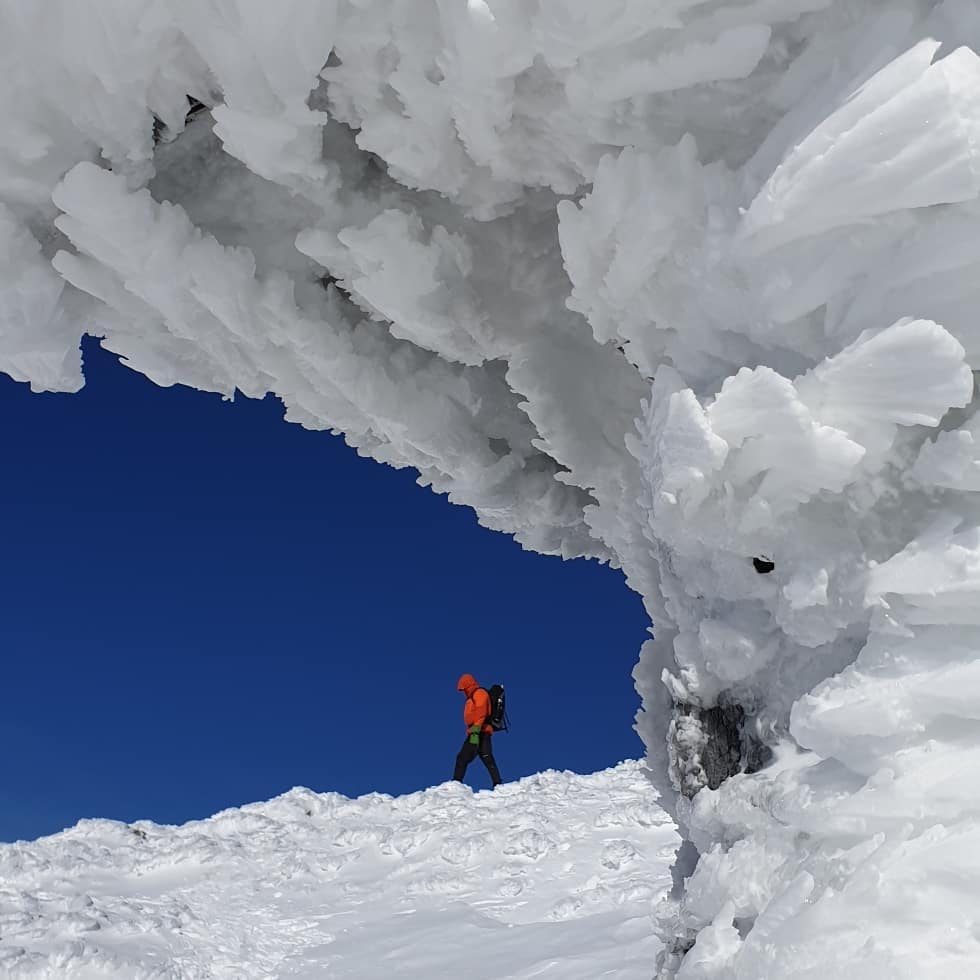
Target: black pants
{"x":469,"y":752}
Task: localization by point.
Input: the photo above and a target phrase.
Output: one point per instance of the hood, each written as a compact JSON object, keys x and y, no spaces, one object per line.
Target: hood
{"x":467,"y":684}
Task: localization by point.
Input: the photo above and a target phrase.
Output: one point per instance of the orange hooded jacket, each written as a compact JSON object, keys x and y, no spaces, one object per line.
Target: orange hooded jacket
{"x":477,"y":707}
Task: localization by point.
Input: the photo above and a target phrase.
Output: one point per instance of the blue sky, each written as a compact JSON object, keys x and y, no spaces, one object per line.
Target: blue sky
{"x":202,"y":606}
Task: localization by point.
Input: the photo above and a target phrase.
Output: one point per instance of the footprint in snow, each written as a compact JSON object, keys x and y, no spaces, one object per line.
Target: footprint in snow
{"x":512,"y":887}
{"x":529,"y":843}
{"x":617,"y":853}
{"x":457,"y":850}
{"x":566,"y":908}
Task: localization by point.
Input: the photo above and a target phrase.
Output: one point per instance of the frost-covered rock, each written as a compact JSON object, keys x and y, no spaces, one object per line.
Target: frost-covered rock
{"x":691,"y":287}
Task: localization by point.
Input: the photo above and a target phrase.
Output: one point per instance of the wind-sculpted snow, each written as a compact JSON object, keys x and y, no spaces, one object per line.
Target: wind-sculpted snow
{"x":554,"y":875}
{"x":690,"y":286}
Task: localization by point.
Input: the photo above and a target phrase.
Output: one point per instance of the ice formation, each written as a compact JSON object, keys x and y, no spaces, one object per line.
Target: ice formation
{"x":687,"y":286}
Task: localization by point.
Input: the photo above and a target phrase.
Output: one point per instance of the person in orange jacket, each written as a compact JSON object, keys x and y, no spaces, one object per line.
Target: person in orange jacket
{"x":476,"y":713}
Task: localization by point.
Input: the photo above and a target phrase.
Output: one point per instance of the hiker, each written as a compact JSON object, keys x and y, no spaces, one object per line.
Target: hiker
{"x":476,"y":717}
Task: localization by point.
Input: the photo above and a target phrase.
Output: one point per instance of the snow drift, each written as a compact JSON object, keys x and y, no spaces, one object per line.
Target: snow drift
{"x":690,"y":287}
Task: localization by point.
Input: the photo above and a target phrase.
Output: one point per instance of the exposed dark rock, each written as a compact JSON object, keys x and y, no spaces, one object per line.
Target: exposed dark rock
{"x":711,"y":744}
{"x":721,"y":756}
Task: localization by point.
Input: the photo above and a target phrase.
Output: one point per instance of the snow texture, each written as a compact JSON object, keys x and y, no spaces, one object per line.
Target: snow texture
{"x":690,"y":287}
{"x":553,"y":876}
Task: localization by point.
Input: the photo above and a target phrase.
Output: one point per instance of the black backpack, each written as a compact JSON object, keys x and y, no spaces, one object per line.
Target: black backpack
{"x":497,"y":719}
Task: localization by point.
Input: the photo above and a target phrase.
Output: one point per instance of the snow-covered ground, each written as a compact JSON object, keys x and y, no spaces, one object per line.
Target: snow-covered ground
{"x":689,"y":286}
{"x":552,"y":876}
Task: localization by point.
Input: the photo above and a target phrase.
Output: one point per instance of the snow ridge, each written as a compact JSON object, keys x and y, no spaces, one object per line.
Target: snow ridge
{"x":553,"y":875}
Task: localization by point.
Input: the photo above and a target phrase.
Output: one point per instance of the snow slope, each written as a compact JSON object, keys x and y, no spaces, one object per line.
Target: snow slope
{"x":552,"y":876}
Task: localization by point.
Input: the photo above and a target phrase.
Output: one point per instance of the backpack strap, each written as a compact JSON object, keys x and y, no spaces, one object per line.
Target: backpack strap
{"x":486,"y":721}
